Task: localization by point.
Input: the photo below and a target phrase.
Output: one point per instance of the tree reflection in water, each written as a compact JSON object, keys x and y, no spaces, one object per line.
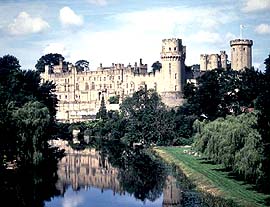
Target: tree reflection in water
{"x":29,"y":186}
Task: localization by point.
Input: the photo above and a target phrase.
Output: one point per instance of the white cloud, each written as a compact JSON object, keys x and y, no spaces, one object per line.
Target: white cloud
{"x":206,"y":37}
{"x":263,"y":29}
{"x":24,"y":24}
{"x":256,"y":5}
{"x":138,"y":34}
{"x":59,"y":48}
{"x":98,"y":2}
{"x":68,"y":17}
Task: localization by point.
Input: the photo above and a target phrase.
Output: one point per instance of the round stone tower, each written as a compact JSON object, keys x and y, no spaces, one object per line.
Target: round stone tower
{"x":173,"y":56}
{"x":241,"y":53}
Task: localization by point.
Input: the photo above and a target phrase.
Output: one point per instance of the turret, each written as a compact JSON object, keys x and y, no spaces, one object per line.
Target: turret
{"x":241,"y":53}
{"x":173,"y":56}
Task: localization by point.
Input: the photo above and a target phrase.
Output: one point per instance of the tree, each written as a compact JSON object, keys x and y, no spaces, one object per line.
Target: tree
{"x":9,"y":62}
{"x":82,"y":65}
{"x":267,"y":65}
{"x":32,"y":142}
{"x":156,"y":66}
{"x":48,"y":59}
{"x":102,"y":113}
{"x":114,"y":99}
{"x":147,"y":119}
{"x":18,"y":89}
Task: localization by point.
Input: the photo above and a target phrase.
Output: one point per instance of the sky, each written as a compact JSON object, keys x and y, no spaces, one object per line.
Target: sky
{"x":123,"y":31}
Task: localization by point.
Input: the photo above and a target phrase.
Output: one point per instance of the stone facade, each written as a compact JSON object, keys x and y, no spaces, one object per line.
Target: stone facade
{"x":80,"y":93}
{"x":241,"y":53}
{"x":213,"y":61}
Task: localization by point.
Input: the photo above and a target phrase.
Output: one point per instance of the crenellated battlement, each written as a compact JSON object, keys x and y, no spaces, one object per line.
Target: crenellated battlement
{"x":241,"y":42}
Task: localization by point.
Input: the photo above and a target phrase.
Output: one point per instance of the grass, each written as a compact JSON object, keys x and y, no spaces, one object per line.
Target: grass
{"x":211,"y":178}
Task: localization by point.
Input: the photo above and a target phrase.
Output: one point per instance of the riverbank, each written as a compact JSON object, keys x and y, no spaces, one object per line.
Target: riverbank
{"x":211,"y":178}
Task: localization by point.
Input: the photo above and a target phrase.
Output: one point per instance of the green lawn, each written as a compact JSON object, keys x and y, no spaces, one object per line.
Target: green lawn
{"x":211,"y":178}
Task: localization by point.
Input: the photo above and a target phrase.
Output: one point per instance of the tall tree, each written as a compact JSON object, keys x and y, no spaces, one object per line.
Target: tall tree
{"x":102,"y":113}
{"x":48,"y":59}
{"x":147,"y":119}
{"x":267,"y":65}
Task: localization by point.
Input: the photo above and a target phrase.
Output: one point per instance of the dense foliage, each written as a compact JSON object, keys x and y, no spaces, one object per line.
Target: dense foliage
{"x":27,"y":111}
{"x":143,"y":120}
{"x":234,"y":142}
{"x":49,"y":59}
{"x":240,"y":142}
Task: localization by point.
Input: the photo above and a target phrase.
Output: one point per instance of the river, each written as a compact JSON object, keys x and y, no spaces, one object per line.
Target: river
{"x":88,"y":178}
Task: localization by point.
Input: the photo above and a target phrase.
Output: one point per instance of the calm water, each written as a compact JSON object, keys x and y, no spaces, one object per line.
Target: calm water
{"x":113,"y":176}
{"x":88,"y":179}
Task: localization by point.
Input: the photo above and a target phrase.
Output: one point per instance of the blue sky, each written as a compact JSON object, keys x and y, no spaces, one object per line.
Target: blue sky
{"x":122,"y":31}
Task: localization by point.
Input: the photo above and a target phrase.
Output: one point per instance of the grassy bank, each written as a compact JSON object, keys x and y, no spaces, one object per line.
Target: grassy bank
{"x":211,"y":178}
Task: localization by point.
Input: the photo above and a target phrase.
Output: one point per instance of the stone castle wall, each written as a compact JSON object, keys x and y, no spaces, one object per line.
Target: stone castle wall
{"x":213,"y":61}
{"x":80,"y":93}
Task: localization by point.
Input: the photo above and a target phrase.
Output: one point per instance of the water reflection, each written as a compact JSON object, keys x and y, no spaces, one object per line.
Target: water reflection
{"x":147,"y":180}
{"x":82,"y":169}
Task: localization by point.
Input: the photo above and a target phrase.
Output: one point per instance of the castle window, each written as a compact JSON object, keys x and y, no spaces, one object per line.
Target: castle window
{"x":94,"y":78}
{"x":100,"y":78}
{"x":175,"y":88}
{"x":59,"y":96}
{"x":175,"y":75}
{"x":93,"y":86}
{"x":127,"y":85}
{"x":155,"y":86}
{"x":65,"y":96}
{"x":86,"y":86}
{"x":233,"y":49}
{"x":119,"y":77}
{"x":110,"y":85}
{"x":170,"y":67}
{"x":77,"y":86}
{"x":244,"y":48}
{"x":175,"y":49}
{"x":170,"y":48}
{"x":104,"y":78}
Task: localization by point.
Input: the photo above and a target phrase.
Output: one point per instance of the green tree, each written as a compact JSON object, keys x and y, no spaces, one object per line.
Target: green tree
{"x":48,"y":59}
{"x":32,"y":142}
{"x":82,"y":65}
{"x":114,"y":99}
{"x":234,"y":142}
{"x":267,"y":64}
{"x":147,"y":119}
{"x":102,"y":113}
{"x":18,"y":88}
{"x":156,"y":66}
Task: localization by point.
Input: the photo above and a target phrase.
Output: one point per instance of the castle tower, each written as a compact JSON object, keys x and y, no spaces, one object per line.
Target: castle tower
{"x":223,"y":59}
{"x":241,"y":53}
{"x":173,"y":56}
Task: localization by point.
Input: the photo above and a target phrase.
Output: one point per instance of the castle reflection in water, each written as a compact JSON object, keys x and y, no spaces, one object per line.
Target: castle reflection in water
{"x":85,"y":169}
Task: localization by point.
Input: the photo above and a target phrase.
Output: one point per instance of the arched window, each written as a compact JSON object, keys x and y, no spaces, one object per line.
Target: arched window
{"x":77,"y":87}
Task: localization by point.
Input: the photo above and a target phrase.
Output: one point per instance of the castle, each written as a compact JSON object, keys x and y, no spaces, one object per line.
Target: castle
{"x":80,"y":93}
